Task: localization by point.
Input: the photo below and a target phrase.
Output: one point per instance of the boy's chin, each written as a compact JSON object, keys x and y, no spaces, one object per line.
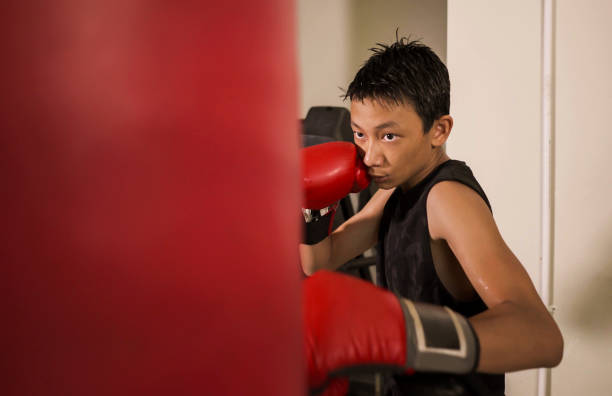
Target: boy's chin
{"x":385,"y":185}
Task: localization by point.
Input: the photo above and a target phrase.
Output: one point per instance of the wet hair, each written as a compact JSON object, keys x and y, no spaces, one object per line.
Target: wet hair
{"x":405,"y":72}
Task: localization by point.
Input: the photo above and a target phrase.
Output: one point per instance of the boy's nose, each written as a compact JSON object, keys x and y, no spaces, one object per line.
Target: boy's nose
{"x":372,"y":156}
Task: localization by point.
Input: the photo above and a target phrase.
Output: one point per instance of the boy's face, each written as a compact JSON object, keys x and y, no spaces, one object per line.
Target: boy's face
{"x":392,"y":143}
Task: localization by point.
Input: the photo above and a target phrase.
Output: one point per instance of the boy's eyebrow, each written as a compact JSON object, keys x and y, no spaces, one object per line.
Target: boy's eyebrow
{"x":379,"y":127}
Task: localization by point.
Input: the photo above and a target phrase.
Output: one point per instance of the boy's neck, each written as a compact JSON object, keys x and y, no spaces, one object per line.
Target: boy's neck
{"x":437,"y":158}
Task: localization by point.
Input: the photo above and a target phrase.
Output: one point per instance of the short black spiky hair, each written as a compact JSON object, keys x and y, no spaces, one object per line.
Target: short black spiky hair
{"x":405,"y":72}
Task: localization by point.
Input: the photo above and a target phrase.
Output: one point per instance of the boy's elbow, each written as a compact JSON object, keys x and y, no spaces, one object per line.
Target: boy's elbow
{"x":555,"y":349}
{"x":558,"y":350}
{"x":307,"y":259}
{"x":310,"y":267}
{"x":308,"y":270}
{"x":307,"y":267}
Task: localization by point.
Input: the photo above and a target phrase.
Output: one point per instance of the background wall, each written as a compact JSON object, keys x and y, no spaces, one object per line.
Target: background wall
{"x":324,"y":52}
{"x":583,"y":254}
{"x":493,"y":52}
{"x":495,"y":101}
{"x":334,"y":38}
{"x":495,"y":71}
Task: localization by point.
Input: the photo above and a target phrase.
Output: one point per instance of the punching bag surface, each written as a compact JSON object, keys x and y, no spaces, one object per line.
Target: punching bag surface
{"x":149,"y":162}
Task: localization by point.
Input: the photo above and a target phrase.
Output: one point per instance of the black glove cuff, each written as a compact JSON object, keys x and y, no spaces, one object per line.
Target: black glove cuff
{"x":317,"y":224}
{"x":439,"y":339}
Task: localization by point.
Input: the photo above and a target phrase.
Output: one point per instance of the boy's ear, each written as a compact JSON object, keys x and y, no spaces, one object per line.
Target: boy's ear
{"x":440,"y":130}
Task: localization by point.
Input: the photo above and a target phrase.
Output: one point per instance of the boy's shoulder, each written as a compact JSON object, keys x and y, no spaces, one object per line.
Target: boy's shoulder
{"x":454,"y":180}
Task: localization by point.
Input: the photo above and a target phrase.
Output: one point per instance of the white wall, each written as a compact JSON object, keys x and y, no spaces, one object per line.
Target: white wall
{"x":583,"y":228}
{"x":494,"y":57}
{"x":323,"y":51}
{"x":495,"y":100}
{"x":334,"y":38}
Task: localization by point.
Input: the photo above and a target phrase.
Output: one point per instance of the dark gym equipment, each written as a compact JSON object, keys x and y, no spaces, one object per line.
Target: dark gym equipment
{"x":326,"y":124}
{"x":334,"y":122}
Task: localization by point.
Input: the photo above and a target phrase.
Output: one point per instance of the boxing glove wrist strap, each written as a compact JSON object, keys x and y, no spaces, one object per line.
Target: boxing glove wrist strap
{"x":318,"y":223}
{"x":311,"y":215}
{"x":439,"y":339}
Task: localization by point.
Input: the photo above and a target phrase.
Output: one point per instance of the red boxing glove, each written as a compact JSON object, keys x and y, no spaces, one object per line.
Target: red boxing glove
{"x":330,"y":172}
{"x":337,"y":387}
{"x":352,"y":324}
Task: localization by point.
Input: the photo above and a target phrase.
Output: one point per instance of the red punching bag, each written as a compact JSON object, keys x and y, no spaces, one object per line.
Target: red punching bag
{"x":149,"y":167}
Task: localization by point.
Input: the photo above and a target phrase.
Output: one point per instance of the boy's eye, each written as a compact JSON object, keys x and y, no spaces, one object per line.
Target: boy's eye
{"x":389,"y":136}
{"x":358,"y":135}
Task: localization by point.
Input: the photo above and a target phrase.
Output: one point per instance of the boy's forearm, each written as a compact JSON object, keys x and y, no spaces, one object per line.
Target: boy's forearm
{"x":514,"y":337}
{"x":315,"y":257}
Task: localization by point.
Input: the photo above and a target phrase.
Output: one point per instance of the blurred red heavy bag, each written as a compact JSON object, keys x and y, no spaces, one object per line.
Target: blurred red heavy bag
{"x":149,"y":163}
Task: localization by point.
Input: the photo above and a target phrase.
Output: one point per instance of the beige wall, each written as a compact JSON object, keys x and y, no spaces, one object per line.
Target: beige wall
{"x":495,"y":74}
{"x":323,"y":51}
{"x":583,"y":228}
{"x":334,"y":38}
{"x":495,"y":101}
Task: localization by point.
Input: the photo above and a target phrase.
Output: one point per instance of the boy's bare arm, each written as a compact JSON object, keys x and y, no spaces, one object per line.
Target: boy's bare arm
{"x":353,"y":237}
{"x":517,"y":331}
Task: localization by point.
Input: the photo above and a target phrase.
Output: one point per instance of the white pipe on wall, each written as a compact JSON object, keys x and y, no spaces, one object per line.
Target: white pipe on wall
{"x":547,"y":220}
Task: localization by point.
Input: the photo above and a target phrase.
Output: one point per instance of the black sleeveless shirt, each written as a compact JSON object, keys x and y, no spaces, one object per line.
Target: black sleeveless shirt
{"x":405,"y":267}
